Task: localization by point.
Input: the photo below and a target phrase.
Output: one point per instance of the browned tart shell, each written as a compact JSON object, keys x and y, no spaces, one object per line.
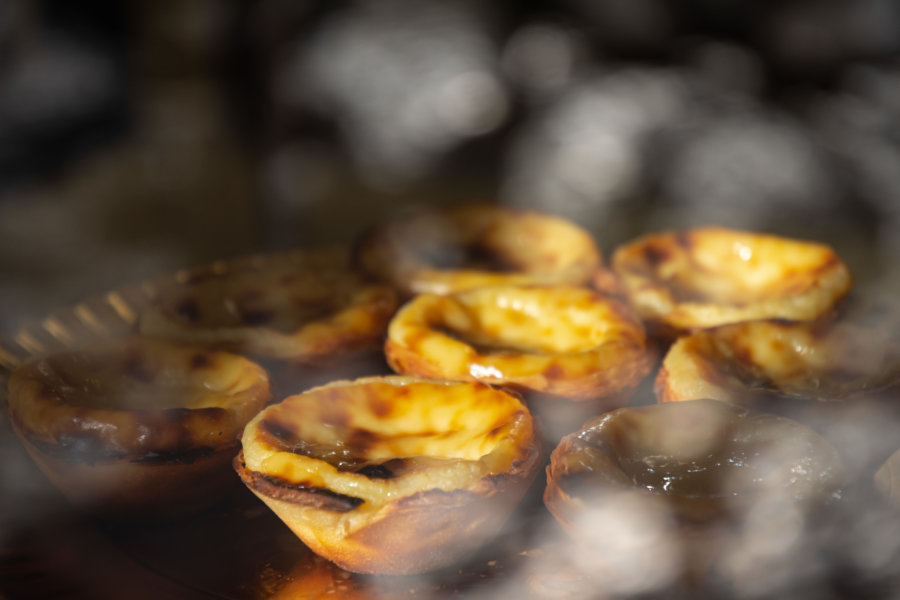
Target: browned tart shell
{"x":772,"y":360}
{"x":136,"y":425}
{"x":392,"y":474}
{"x":706,"y":460}
{"x":557,"y":340}
{"x":688,"y":280}
{"x":304,"y":306}
{"x":452,"y":248}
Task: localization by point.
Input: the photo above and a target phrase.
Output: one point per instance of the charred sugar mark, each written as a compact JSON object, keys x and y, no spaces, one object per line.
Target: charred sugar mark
{"x":360,"y":440}
{"x":200,"y":360}
{"x":278,"y":431}
{"x":655,"y":254}
{"x":386,"y":470}
{"x":554,"y":371}
{"x":299,"y":493}
{"x":496,"y":432}
{"x":483,"y":257}
{"x":383,"y":407}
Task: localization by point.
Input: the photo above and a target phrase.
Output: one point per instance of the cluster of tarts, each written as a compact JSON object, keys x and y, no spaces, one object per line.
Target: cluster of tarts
{"x":498,"y":343}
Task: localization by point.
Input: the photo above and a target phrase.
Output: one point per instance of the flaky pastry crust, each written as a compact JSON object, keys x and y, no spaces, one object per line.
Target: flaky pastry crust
{"x":392,"y":474}
{"x":698,"y":278}
{"x":136,"y":424}
{"x":557,"y":340}
{"x":459,"y":247}
{"x":305,"y":306}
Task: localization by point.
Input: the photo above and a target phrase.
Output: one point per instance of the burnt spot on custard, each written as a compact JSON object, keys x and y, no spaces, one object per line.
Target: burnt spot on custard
{"x":360,"y":440}
{"x":295,"y":493}
{"x":385,"y":470}
{"x":383,"y":407}
{"x":555,"y":371}
{"x":655,"y":254}
{"x":454,"y":255}
{"x":278,"y":430}
{"x":200,"y":360}
{"x":347,"y":456}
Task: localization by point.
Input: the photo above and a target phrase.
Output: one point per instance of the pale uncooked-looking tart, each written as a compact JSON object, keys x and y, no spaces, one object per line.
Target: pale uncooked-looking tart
{"x":136,"y":425}
{"x":304,"y":306}
{"x":697,"y":278}
{"x":392,"y":474}
{"x":457,"y":247}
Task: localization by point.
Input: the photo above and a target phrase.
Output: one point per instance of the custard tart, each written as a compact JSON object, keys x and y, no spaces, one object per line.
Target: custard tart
{"x":458,"y":247}
{"x":392,"y":474}
{"x":136,"y":426}
{"x":707,"y":461}
{"x":693,"y":279}
{"x":758,"y":361}
{"x":696,"y":499}
{"x":557,"y":340}
{"x":304,"y":306}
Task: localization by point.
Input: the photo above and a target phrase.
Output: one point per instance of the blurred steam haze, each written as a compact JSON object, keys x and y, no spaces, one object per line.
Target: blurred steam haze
{"x":139,"y":138}
{"x":144,"y":137}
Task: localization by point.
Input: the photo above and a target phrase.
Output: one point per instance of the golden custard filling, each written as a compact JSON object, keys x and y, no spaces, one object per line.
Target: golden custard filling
{"x":708,"y":276}
{"x":296,"y":305}
{"x":376,"y":440}
{"x":134,"y":397}
{"x":556,"y":339}
{"x":823,"y":361}
{"x":470,"y":245}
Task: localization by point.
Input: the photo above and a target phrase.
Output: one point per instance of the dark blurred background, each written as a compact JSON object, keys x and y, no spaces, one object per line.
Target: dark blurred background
{"x":136,"y":138}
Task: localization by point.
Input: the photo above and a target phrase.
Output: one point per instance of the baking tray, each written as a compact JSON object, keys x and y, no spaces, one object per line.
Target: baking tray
{"x":238,"y":550}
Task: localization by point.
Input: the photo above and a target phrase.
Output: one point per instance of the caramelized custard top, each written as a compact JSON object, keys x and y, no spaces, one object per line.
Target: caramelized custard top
{"x":297,"y":305}
{"x":448,"y":249}
{"x":382,"y":438}
{"x":823,"y":361}
{"x":713,"y":275}
{"x":136,"y":396}
{"x":561,"y":340}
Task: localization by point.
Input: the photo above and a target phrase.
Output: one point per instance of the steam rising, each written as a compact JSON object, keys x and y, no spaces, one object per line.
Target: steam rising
{"x":618,"y":144}
{"x":407,"y":81}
